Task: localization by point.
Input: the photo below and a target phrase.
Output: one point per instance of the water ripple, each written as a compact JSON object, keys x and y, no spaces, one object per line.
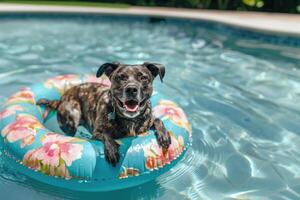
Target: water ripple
{"x":241,"y":96}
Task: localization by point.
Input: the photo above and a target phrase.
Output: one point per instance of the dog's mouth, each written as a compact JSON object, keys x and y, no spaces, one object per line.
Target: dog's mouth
{"x":131,"y":106}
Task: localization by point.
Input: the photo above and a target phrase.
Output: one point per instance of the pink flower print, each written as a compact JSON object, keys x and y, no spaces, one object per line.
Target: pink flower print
{"x":169,"y":110}
{"x":24,"y":128}
{"x":63,"y":82}
{"x":56,"y":154}
{"x":156,"y":157}
{"x":25,"y":95}
{"x":93,"y":79}
{"x":11,"y":110}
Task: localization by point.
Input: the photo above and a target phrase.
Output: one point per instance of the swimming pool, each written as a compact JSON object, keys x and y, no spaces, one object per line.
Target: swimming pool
{"x":240,"y":89}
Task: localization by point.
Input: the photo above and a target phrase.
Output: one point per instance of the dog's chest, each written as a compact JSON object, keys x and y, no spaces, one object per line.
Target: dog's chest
{"x":140,"y":128}
{"x":131,"y":130}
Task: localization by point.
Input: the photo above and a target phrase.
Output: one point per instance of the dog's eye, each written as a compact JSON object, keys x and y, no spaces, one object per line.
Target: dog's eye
{"x":122,"y":77}
{"x":143,"y":78}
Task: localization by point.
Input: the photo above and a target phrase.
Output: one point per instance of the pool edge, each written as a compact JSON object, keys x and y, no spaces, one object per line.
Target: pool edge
{"x":267,"y":23}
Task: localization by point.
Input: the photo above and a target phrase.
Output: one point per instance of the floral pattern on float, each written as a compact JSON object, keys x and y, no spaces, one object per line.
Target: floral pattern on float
{"x":56,"y":154}
{"x":128,"y":171}
{"x":169,"y":110}
{"x":26,"y":138}
{"x":10,"y":110}
{"x":24,"y":128}
{"x":156,"y":157}
{"x":93,"y":79}
{"x":63,"y":82}
{"x":23,"y":96}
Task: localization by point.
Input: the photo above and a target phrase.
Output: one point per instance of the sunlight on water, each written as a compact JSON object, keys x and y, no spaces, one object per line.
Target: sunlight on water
{"x":242,"y":96}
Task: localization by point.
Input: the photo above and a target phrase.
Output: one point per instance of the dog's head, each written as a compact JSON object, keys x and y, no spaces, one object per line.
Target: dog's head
{"x":131,"y":85}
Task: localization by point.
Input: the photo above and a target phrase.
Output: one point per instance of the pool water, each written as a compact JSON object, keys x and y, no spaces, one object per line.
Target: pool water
{"x":241,"y":91}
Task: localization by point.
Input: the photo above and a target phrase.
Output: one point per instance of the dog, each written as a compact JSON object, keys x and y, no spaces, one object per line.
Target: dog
{"x":118,"y":111}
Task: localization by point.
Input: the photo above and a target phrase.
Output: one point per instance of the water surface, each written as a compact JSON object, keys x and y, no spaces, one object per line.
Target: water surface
{"x":241,"y":92}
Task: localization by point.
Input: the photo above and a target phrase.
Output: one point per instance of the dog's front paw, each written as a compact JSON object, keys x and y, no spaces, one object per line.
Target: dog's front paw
{"x":111,"y":151}
{"x":163,"y":139}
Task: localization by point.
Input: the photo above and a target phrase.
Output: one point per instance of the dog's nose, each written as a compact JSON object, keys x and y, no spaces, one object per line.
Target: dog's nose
{"x":131,"y":91}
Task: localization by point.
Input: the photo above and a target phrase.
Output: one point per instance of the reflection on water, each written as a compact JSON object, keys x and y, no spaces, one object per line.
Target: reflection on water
{"x":242,"y":96}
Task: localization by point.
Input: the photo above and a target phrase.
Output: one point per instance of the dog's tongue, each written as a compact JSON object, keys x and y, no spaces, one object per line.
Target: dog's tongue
{"x":131,"y":106}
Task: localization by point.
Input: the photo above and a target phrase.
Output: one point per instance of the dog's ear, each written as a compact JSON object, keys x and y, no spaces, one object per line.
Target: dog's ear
{"x":156,"y":69}
{"x":107,"y":68}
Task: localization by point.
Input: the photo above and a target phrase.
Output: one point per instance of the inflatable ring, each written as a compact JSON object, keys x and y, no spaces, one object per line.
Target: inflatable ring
{"x":33,"y":142}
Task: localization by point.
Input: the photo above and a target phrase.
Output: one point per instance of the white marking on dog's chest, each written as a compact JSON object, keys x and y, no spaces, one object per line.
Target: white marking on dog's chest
{"x":131,"y":130}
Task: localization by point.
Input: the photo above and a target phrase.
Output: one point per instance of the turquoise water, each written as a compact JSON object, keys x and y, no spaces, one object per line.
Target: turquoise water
{"x":241,"y":91}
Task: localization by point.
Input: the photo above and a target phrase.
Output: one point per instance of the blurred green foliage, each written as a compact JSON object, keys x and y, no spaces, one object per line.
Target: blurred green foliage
{"x":67,"y":3}
{"x":283,"y":6}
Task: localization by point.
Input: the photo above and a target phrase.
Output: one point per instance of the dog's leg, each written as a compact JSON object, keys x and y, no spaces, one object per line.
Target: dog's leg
{"x":162,"y":135}
{"x":68,"y":116}
{"x":111,"y":147}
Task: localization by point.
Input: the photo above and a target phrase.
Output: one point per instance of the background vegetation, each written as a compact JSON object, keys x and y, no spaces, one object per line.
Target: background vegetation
{"x":284,"y":6}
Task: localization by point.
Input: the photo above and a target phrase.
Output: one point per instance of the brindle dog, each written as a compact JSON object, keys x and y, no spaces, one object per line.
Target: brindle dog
{"x":121,"y":110}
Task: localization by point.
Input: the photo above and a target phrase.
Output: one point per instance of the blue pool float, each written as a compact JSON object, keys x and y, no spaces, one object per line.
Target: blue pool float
{"x":35,"y":145}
